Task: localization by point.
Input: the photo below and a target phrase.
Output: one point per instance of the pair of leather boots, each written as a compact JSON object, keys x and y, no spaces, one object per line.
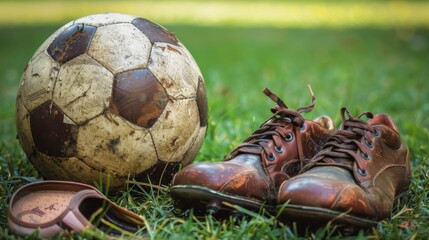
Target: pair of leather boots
{"x":305,"y":171}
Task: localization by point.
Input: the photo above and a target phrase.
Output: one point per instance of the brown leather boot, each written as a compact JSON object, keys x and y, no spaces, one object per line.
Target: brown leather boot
{"x":354,"y":180}
{"x":252,"y":174}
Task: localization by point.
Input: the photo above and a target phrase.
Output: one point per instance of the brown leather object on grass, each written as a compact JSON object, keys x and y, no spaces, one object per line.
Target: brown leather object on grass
{"x":60,"y":207}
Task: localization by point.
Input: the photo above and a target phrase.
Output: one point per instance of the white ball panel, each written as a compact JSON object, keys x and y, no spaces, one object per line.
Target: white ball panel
{"x":192,"y":62}
{"x":196,"y":146}
{"x":175,"y":129}
{"x":23,"y":126}
{"x":83,"y":88}
{"x":72,"y":169}
{"x":120,"y":47}
{"x":107,"y":142}
{"x":38,"y":81}
{"x":174,"y":70}
{"x":102,"y":19}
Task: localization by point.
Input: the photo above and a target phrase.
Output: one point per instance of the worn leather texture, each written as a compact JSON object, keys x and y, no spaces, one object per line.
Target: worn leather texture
{"x":361,"y":170}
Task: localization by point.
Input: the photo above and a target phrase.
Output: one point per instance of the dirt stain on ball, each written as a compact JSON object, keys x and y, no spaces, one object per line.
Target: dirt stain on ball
{"x":113,"y":144}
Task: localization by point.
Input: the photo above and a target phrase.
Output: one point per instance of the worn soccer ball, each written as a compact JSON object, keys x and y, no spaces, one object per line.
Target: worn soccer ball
{"x":111,"y":96}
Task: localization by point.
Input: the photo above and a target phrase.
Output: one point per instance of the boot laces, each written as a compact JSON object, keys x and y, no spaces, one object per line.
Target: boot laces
{"x":273,"y":129}
{"x":345,"y":146}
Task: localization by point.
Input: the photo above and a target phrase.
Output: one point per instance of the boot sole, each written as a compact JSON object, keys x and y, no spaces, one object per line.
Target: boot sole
{"x":206,"y":200}
{"x":320,"y":217}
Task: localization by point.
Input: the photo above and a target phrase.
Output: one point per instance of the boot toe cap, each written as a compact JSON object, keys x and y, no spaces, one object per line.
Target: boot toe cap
{"x":228,"y":177}
{"x":329,"y":188}
{"x":211,"y":175}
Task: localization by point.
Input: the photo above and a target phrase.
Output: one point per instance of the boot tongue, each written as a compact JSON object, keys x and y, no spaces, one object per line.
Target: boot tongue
{"x":341,"y":148}
{"x":383,"y":119}
{"x":273,"y":130}
{"x":273,"y":127}
{"x":340,"y":161}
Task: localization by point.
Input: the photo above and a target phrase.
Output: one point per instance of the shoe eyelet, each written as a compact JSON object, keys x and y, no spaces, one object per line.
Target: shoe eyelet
{"x":271,"y":157}
{"x":369,"y":143}
{"x":302,"y":128}
{"x":376,"y":132}
{"x":289,"y":137}
{"x":362,"y":172}
{"x":287,"y":119}
{"x":278,"y":149}
{"x":365,"y":156}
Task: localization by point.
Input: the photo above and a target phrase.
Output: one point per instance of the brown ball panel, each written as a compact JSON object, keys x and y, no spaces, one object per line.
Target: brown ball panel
{"x":138,"y":97}
{"x":160,"y":173}
{"x":202,"y":103}
{"x":71,"y":43}
{"x":154,"y":32}
{"x":52,"y":135}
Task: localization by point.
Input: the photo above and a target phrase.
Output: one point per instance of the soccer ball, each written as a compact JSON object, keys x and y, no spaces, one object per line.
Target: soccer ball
{"x":111,"y":96}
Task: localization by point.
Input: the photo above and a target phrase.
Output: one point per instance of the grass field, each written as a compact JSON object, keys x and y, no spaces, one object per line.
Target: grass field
{"x":364,"y":69}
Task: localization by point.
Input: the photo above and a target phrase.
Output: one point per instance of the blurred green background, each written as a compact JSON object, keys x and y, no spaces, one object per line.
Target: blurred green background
{"x":365,"y":55}
{"x":368,"y":55}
